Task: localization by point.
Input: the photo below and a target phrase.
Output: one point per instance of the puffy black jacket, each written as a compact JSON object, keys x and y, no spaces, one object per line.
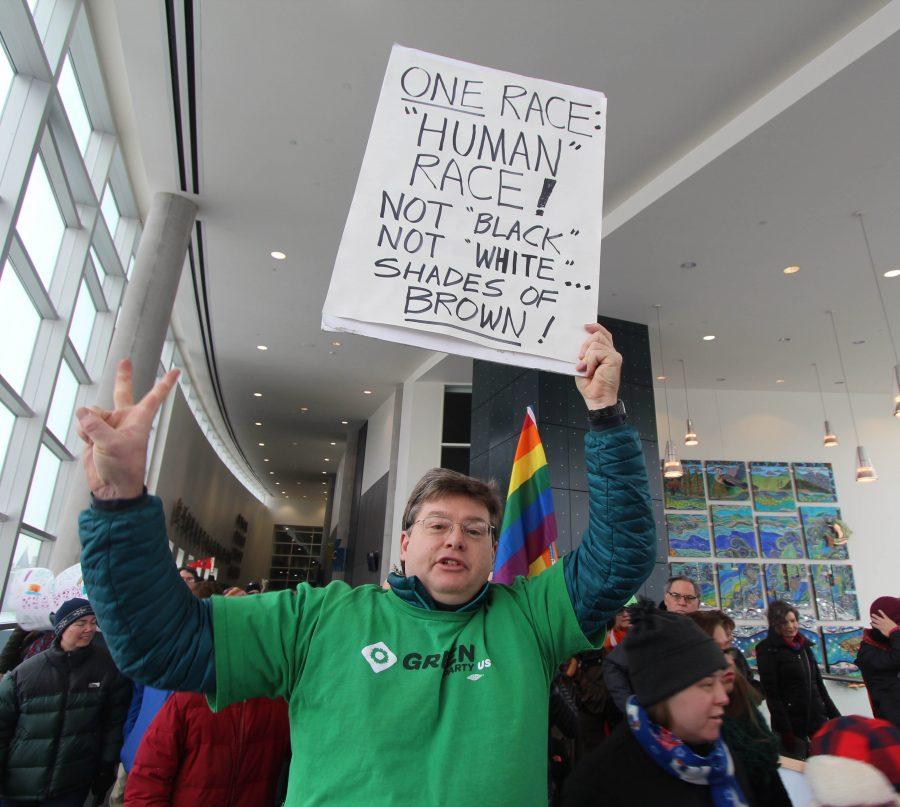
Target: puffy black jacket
{"x":61,"y":717}
{"x":880,"y":668}
{"x":795,"y":693}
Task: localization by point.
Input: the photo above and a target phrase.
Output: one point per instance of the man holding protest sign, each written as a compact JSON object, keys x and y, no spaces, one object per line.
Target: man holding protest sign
{"x":439,"y":682}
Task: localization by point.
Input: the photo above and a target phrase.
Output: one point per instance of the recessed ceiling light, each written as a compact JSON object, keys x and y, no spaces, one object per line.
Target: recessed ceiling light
{"x":334,"y":444}
{"x":661,"y":377}
{"x":791,"y":270}
{"x":278,"y":256}
{"x":304,"y":409}
{"x":344,"y":422}
{"x":892,"y":273}
{"x":367,"y":392}
{"x":304,"y":497}
{"x":265,"y":459}
{"x":688,"y":265}
{"x":324,"y":472}
{"x":258,"y":423}
{"x":709,"y":337}
{"x":324,"y":483}
{"x":257,"y":395}
{"x":336,"y":344}
{"x":260,"y":444}
{"x":299,"y":483}
{"x":262,"y":347}
{"x":779,"y":380}
{"x":278,"y":483}
{"x":327,"y":459}
{"x":271,"y":473}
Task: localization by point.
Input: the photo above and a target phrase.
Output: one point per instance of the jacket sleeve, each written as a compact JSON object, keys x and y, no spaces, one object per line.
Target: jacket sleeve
{"x":157,"y":631}
{"x":768,"y":676}
{"x":114,"y":713}
{"x":151,"y":781}
{"x":618,"y":550}
{"x":134,"y":709}
{"x":9,"y":716}
{"x":615,"y":675}
{"x":830,"y":709}
{"x":11,"y":656}
{"x":885,"y":661}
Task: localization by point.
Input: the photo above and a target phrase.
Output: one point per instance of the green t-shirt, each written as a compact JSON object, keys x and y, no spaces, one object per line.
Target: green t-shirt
{"x":395,"y":704}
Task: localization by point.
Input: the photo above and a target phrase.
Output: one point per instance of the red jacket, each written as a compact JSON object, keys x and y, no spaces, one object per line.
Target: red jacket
{"x":190,"y":756}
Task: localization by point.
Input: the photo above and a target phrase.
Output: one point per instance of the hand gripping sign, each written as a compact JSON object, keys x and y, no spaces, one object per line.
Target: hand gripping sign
{"x":475,"y":225}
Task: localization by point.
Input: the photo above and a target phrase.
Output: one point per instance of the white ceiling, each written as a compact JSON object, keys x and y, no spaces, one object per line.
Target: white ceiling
{"x":286,"y":92}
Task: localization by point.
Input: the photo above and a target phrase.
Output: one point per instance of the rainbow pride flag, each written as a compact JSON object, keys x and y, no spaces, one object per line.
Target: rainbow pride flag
{"x":527,"y":543}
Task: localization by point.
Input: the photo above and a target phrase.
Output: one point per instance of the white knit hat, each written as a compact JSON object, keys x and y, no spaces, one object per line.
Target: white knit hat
{"x":844,"y":782}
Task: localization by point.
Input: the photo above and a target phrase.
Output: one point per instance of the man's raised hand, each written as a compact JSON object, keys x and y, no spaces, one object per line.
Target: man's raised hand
{"x":602,"y":366}
{"x":115,"y":455}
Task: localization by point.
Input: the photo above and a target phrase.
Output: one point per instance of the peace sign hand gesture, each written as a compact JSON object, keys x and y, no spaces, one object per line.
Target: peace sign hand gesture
{"x":115,"y":456}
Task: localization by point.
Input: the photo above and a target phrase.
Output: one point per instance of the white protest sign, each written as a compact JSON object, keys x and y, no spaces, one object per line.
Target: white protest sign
{"x":30,"y":594}
{"x":475,"y":225}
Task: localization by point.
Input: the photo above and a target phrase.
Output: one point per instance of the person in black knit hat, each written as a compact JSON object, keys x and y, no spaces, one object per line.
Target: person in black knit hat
{"x":61,"y":716}
{"x":669,"y":749}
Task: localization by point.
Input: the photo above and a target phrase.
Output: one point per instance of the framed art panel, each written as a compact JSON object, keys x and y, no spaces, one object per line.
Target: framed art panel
{"x":688,"y":535}
{"x":841,"y":646}
{"x":726,"y":481}
{"x":746,"y":637}
{"x":702,"y":574}
{"x":821,"y":538}
{"x":811,"y":632}
{"x":771,"y":485}
{"x":687,"y":491}
{"x":835,"y":592}
{"x":789,"y":582}
{"x":814,"y":482}
{"x":733,"y":532}
{"x":740,"y":588}
{"x":780,"y":536}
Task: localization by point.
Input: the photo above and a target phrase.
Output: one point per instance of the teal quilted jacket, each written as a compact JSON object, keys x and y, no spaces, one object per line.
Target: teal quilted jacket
{"x":161,"y":635}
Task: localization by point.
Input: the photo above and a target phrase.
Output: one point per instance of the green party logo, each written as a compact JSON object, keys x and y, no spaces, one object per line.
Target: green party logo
{"x":379,"y":656}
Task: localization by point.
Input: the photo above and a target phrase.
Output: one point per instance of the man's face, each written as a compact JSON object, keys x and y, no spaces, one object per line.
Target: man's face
{"x":452,"y":563}
{"x":189,"y":580}
{"x":681,"y":598}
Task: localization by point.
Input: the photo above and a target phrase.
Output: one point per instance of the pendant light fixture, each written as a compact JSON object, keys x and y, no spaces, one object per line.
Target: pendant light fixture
{"x":830,"y":440}
{"x":690,"y":436}
{"x":887,"y":321}
{"x":672,"y":468}
{"x":865,"y":472}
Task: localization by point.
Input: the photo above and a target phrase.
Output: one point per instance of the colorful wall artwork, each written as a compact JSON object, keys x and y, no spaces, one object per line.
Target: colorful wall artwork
{"x":835,"y":592}
{"x":789,"y":582}
{"x":726,"y":481}
{"x":841,"y":647}
{"x":740,"y":587}
{"x":746,"y":637}
{"x":733,"y":531}
{"x":688,"y":535}
{"x":780,"y":536}
{"x":819,"y":537}
{"x":771,"y":484}
{"x":702,"y":574}
{"x":815,"y":641}
{"x":814,"y":482}
{"x":687,"y":491}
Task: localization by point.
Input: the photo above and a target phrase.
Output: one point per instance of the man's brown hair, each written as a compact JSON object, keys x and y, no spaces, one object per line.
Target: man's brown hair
{"x":443,"y":482}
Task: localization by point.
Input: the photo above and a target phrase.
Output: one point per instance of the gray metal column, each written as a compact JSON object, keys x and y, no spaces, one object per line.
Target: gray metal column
{"x":139,"y":335}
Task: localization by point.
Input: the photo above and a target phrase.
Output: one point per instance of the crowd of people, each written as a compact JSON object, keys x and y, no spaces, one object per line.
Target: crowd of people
{"x":435,"y":686}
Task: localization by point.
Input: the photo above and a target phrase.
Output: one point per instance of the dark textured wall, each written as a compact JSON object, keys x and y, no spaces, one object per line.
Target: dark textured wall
{"x":499,"y":396}
{"x":369,"y":536}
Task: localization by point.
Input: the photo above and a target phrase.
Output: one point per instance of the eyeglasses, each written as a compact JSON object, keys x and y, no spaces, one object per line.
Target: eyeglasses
{"x":685,"y":598}
{"x":439,"y":527}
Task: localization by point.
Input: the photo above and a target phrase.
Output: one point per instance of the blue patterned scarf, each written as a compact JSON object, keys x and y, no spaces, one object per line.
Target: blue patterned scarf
{"x":715,"y":770}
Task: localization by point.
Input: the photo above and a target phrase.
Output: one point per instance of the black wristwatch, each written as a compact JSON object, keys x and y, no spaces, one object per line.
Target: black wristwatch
{"x":608,"y":416}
